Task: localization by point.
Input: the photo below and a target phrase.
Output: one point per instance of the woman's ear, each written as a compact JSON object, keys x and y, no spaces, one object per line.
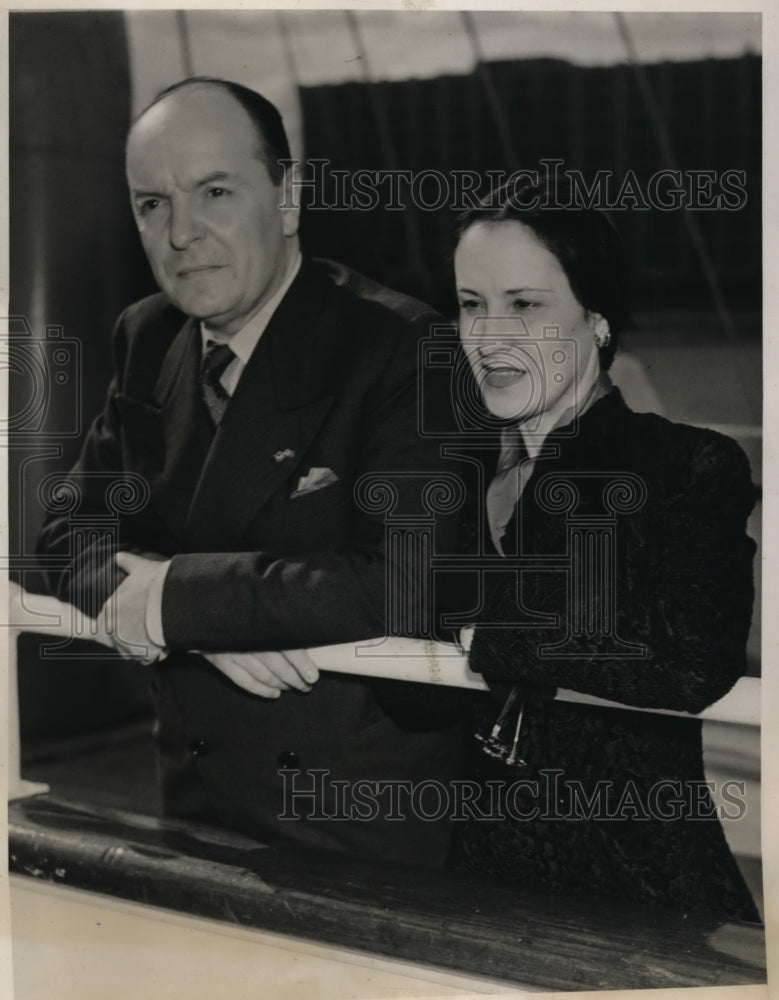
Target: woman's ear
{"x":601,"y":330}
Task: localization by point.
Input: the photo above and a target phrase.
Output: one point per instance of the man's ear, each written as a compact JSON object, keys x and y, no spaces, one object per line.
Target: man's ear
{"x":289,"y":205}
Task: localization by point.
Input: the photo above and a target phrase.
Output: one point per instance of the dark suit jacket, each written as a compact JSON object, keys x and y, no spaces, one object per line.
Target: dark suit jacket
{"x":331,"y":385}
{"x":679,"y":573}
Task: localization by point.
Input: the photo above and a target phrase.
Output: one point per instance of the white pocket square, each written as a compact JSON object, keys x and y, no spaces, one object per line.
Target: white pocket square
{"x":315,"y":479}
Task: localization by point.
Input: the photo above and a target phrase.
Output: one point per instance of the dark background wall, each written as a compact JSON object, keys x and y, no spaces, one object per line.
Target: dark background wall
{"x":513,"y":115}
{"x":75,"y":263}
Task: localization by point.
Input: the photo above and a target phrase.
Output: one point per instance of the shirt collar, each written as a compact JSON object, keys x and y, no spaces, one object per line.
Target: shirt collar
{"x":246,"y":339}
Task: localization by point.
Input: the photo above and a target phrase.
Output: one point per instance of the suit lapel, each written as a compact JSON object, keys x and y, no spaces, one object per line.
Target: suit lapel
{"x":181,"y":361}
{"x":168,"y":431}
{"x":188,"y":429}
{"x":276,"y":411}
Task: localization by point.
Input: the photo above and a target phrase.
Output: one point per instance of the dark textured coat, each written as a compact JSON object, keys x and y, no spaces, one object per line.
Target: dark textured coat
{"x":333,"y":385}
{"x":681,"y":581}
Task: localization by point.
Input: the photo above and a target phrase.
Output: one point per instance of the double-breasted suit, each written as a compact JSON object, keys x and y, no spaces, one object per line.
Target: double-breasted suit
{"x":270,"y":550}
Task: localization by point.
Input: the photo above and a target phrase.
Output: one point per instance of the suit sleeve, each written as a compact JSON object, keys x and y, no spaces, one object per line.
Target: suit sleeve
{"x":684,"y":594}
{"x":76,"y":553}
{"x":259,"y":600}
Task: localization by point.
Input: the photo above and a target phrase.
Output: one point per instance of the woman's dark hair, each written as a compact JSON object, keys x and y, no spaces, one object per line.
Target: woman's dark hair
{"x":273,"y":145}
{"x":581,"y":237}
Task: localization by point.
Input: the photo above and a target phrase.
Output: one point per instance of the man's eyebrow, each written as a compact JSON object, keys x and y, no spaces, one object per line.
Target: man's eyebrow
{"x":141,"y":193}
{"x":509,"y":291}
{"x":216,"y":175}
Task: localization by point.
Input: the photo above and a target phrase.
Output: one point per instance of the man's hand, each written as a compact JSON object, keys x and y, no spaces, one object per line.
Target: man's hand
{"x":269,"y":673}
{"x":123,"y":616}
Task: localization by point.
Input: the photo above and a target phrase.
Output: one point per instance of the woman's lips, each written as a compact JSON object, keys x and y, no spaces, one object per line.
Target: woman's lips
{"x":501,"y":378}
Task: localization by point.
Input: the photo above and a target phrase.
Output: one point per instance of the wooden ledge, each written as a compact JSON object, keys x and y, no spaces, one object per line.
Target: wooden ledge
{"x":435,"y":918}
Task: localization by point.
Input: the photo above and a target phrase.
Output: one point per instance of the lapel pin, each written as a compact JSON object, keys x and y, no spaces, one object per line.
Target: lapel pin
{"x":283,"y":455}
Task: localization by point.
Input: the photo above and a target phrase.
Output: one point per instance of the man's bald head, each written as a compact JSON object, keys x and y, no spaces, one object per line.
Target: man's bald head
{"x":219,"y":230}
{"x":272,"y":142}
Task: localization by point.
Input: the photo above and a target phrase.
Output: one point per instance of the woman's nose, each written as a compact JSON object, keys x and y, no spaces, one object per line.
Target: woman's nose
{"x":496,"y":333}
{"x":487,"y":348}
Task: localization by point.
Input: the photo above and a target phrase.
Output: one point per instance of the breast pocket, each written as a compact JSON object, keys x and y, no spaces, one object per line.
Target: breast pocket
{"x":319,"y":503}
{"x":309,"y":523}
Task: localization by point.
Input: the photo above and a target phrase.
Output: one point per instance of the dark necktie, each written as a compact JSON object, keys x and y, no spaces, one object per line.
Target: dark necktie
{"x":215,"y":360}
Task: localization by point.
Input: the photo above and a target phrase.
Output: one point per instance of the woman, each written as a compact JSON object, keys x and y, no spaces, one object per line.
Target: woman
{"x":626,"y":574}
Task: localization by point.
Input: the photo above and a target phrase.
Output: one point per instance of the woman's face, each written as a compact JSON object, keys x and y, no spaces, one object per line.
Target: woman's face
{"x":529,"y":341}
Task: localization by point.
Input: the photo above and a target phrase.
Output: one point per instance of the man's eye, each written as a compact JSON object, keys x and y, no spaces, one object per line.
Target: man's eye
{"x":147,"y":205}
{"x":217,"y":192}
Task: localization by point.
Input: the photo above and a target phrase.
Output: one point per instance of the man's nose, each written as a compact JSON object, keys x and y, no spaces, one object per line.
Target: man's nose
{"x":185,"y":225}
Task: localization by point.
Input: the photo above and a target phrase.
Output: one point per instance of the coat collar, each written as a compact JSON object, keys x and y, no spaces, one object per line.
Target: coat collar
{"x":596,"y":442}
{"x":598,"y":436}
{"x":303,"y":339}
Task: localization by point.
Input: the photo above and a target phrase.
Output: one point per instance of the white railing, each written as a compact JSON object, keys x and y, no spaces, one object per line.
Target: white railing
{"x":396,"y":658}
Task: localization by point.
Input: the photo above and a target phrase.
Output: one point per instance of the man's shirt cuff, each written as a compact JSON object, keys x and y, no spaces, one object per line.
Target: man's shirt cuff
{"x":154,"y":606}
{"x":466,"y":638}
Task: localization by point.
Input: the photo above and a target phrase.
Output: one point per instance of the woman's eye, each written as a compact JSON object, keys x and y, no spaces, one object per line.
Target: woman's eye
{"x":521,"y":304}
{"x":468,"y":305}
{"x":217,"y":192}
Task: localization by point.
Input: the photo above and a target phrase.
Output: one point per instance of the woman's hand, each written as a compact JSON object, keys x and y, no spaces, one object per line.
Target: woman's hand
{"x":269,"y":673}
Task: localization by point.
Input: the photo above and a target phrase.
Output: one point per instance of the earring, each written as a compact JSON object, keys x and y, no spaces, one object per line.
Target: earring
{"x":602,"y":333}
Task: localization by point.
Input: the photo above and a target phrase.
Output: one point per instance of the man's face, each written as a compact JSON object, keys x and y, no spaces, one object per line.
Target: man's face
{"x":207,"y":211}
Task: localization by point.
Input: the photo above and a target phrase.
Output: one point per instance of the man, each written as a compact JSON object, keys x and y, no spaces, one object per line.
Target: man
{"x":251,"y":395}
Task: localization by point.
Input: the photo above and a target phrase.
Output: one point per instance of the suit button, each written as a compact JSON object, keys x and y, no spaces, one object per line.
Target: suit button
{"x":199,"y":747}
{"x":288,"y":759}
